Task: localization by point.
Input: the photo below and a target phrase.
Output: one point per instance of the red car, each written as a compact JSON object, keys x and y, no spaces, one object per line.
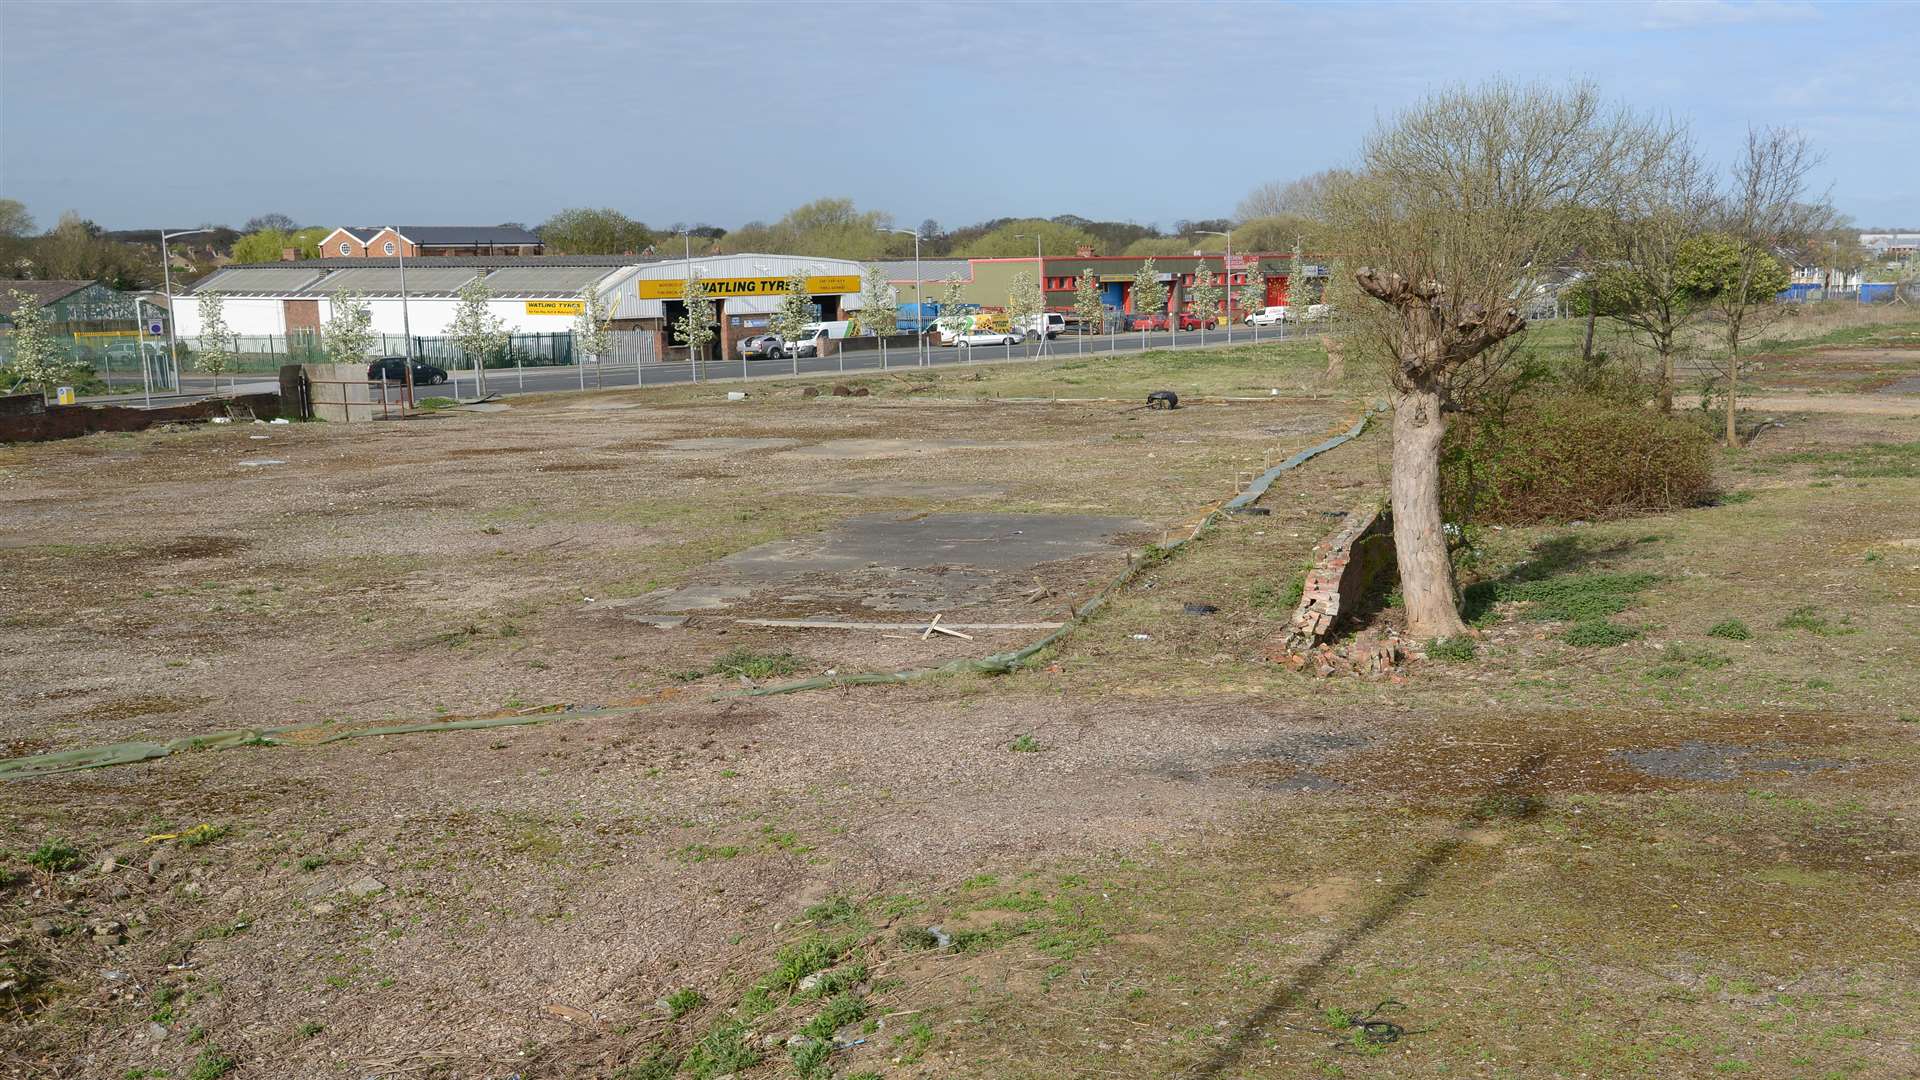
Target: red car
{"x":1160,"y":321}
{"x":1190,"y":321}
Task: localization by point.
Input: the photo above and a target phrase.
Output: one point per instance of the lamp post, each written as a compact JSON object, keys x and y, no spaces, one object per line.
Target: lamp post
{"x":686,"y":273}
{"x":166,"y":273}
{"x":1228,"y":268}
{"x":919,"y":305}
{"x":406,"y":329}
{"x":1039,"y":279}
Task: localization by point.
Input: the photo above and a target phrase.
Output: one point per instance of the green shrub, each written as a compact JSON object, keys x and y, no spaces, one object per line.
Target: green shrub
{"x":1731,"y":629}
{"x":726,"y":1047}
{"x":1456,"y":649}
{"x":1598,"y":634}
{"x":1557,"y":455}
{"x":757,"y":665}
{"x":683,"y":1001}
{"x":56,"y":856}
{"x":1809,"y":619}
{"x":840,"y":1010}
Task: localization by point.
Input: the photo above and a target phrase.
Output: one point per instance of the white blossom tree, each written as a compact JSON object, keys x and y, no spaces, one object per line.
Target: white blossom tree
{"x":1253,"y":295}
{"x":1087,"y":306}
{"x":1299,"y":291}
{"x":348,"y":335}
{"x":215,"y":352}
{"x":878,"y":315}
{"x":952,"y":318}
{"x":1024,"y":303}
{"x":1207,"y":293}
{"x":477,"y":331}
{"x":795,"y":309}
{"x":695,"y":328}
{"x":1149,"y":295}
{"x":593,"y":326}
{"x":38,"y":362}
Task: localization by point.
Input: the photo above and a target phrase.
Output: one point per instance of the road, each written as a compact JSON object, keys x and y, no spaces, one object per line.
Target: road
{"x":550,"y":379}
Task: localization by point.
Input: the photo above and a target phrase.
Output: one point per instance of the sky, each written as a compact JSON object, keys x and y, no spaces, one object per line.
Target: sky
{"x":146,"y":115}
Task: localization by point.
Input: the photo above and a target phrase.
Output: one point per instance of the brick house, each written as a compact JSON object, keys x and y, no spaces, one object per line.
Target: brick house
{"x":420,"y":241}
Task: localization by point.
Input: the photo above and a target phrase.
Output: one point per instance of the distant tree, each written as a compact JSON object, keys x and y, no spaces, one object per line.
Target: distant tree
{"x":1149,"y":294}
{"x":1087,"y":306}
{"x":1014,"y":239}
{"x":266,"y":246}
{"x":1298,"y":198}
{"x":587,"y":231}
{"x":953,"y":316}
{"x":76,"y":250}
{"x":1275,"y":233}
{"x":347,"y":336}
{"x":214,"y":353}
{"x":1253,"y":295}
{"x":695,"y":328}
{"x":1735,"y":283}
{"x":15,"y":222}
{"x":38,"y":363}
{"x":593,"y":326}
{"x":878,"y":314}
{"x":1207,"y":292}
{"x":270,"y":223}
{"x":1024,"y":301}
{"x":929,"y":230}
{"x":1299,"y":290}
{"x":829,"y":228}
{"x":477,"y":332}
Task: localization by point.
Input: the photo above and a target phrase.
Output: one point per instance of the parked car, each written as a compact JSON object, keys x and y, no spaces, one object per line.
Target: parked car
{"x":1318,"y":311}
{"x":761,"y":347}
{"x":1268,"y":316}
{"x":1147,"y":322}
{"x":1190,"y":321}
{"x":1050,"y":323}
{"x":978,"y":336}
{"x":394,"y":369}
{"x":807,"y":344}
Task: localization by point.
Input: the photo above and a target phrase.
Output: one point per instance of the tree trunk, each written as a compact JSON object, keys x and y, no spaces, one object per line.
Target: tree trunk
{"x":1667,"y":373}
{"x":1586,"y":350}
{"x":1733,"y":386}
{"x":1426,"y":573}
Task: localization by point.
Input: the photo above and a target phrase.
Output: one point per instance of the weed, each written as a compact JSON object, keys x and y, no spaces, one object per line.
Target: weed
{"x":1666,"y":672}
{"x":1598,"y":634}
{"x":211,"y":1065}
{"x":840,"y":979}
{"x":1733,"y":498}
{"x":659,"y":1064}
{"x":725,"y":1048}
{"x":310,"y":863}
{"x":56,"y":856}
{"x":1677,"y":653}
{"x":832,"y":912}
{"x":308,"y":1030}
{"x":917,"y":937}
{"x":683,"y":1001}
{"x":1819,"y":684}
{"x":1808,"y":618}
{"x":1280,"y":601}
{"x":1458,"y":649}
{"x":164,"y":998}
{"x":1025,"y":744}
{"x":756,"y":665}
{"x":203,"y":834}
{"x":698,"y":853}
{"x":841,"y":1009}
{"x":919,"y":1036}
{"x":811,"y":1060}
{"x":1731,"y":629}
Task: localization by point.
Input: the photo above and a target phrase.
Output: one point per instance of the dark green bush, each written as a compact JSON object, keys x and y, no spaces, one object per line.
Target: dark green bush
{"x":1732,"y":630}
{"x":1599,"y":634}
{"x":1558,"y":455}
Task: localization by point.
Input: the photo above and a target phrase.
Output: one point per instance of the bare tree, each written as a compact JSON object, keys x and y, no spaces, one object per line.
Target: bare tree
{"x":1460,"y":206}
{"x":1298,"y":198}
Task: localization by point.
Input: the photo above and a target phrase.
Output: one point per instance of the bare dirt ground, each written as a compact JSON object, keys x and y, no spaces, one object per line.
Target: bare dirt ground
{"x":1151,"y":854}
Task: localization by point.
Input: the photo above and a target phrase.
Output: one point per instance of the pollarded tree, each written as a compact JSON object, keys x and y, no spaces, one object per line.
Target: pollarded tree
{"x":593,"y":325}
{"x":1206,"y":292}
{"x":477,"y":331}
{"x":347,"y":337}
{"x":878,"y":315}
{"x":1024,"y":303}
{"x":1253,"y":295}
{"x":1149,"y":294}
{"x":1458,"y":207}
{"x":796,"y":307}
{"x":695,"y":328}
{"x":38,"y":361}
{"x":215,"y":352}
{"x":1087,"y":306}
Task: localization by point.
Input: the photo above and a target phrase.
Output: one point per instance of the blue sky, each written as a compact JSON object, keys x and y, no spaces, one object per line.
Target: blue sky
{"x":139,"y":115}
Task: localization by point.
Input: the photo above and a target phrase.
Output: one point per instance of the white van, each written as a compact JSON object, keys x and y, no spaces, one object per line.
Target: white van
{"x":1050,"y":323}
{"x":807,"y":342}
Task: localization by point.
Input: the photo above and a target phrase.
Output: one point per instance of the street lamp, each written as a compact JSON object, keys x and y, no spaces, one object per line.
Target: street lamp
{"x":1039,"y":280}
{"x":166,"y":273}
{"x":1228,"y":268}
{"x":919,"y":304}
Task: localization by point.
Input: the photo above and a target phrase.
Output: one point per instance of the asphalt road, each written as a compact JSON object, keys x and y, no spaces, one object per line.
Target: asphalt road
{"x":550,"y":379}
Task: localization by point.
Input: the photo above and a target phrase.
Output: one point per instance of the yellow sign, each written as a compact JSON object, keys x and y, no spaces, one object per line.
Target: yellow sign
{"x":721,"y":288}
{"x":555,"y":307}
{"x":105,"y":333}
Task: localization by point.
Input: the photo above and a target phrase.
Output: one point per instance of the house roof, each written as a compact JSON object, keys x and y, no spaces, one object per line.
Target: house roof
{"x":41,"y":293}
{"x":448,"y":235}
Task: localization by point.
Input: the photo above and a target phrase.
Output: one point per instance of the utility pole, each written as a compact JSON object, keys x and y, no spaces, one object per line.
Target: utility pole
{"x":1228,"y":274}
{"x":166,"y":273}
{"x":919,"y":304}
{"x":406,"y":327}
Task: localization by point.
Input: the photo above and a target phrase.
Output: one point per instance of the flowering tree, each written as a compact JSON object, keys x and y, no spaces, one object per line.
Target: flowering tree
{"x":215,"y":354}
{"x":952,"y":319}
{"x":1299,"y":292}
{"x":1253,"y":295}
{"x":796,"y":307}
{"x":480,"y":334}
{"x":1024,"y":303}
{"x":1207,"y":292}
{"x":38,"y":362}
{"x":1086,"y":304}
{"x":593,"y":326}
{"x":1149,"y":295}
{"x":878,"y":316}
{"x":348,"y":335}
{"x":695,"y":328}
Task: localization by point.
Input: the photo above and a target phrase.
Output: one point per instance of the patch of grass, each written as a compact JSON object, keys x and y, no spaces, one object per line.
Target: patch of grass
{"x":310,"y":863}
{"x":1731,"y":630}
{"x":203,"y":834}
{"x":1598,"y":634}
{"x":683,"y":1001}
{"x":308,"y":1030}
{"x":1580,"y":597}
{"x":211,"y":1065}
{"x":1873,"y":461}
{"x":1458,"y":649}
{"x":756,"y":665}
{"x":812,"y":1060}
{"x":1025,"y":744}
{"x":1733,"y":498}
{"x":840,"y":1010}
{"x":1678,"y":653}
{"x":833,"y":911}
{"x":165,"y":998}
{"x":659,"y":1064}
{"x":1808,"y":618}
{"x":699,"y":853}
{"x":727,"y":1047}
{"x":56,"y":856}
{"x":1279,"y":601}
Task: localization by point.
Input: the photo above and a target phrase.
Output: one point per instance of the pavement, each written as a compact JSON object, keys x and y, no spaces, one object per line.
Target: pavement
{"x":543,"y":380}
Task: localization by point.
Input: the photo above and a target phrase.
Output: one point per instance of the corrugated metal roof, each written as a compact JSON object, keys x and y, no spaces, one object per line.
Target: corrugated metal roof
{"x":544,"y":280}
{"x":385,"y":281}
{"x":473,"y":260}
{"x":258,"y":279}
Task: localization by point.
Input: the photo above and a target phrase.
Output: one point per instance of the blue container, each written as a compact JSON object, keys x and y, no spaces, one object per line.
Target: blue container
{"x":1876,"y":292}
